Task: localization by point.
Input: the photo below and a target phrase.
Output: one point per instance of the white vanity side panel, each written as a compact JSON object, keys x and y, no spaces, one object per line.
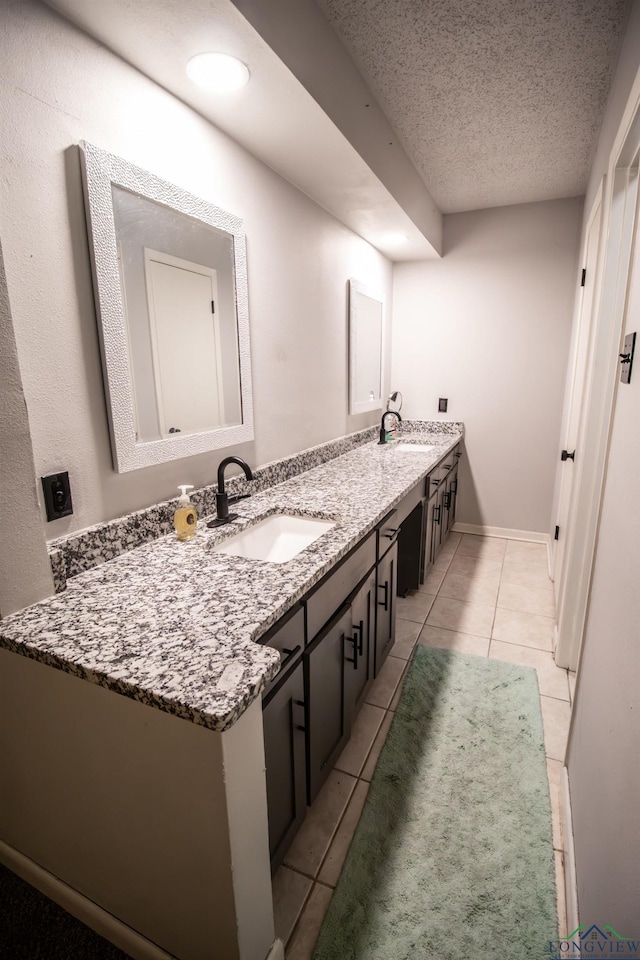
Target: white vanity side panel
{"x":124,"y":803}
{"x":246,"y":785}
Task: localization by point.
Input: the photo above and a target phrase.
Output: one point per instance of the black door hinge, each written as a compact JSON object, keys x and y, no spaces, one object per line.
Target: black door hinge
{"x":557,"y":534}
{"x":584,"y":277}
{"x":213,"y":306}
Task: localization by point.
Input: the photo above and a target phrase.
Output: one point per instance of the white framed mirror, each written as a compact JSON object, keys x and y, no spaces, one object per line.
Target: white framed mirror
{"x":366,"y":348}
{"x":170,"y":281}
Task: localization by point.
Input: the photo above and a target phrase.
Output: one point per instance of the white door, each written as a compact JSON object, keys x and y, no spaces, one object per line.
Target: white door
{"x":183,"y":303}
{"x":621,"y":218}
{"x":582,"y":358}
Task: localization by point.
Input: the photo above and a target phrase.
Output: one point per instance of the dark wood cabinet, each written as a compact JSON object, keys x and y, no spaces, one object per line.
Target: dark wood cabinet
{"x":359,"y":660}
{"x":328,"y":715}
{"x":386,"y":587}
{"x":283,"y":718}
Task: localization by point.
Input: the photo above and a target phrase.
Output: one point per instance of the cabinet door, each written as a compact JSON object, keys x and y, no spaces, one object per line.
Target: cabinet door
{"x":427,"y":538}
{"x":284,"y":749}
{"x":327,"y":716}
{"x":359,"y":654}
{"x":453,"y":491}
{"x":387,"y":571}
{"x":438,"y":518}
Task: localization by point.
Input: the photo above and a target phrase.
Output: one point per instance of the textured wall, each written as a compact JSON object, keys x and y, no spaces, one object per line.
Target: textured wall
{"x":488,"y":328}
{"x":60,"y":87}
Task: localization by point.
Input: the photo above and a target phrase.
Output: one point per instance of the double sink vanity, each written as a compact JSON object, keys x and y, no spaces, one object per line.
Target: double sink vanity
{"x":224,"y":680}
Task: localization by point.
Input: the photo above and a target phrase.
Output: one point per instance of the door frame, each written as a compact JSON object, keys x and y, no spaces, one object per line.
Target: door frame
{"x":580,"y":365}
{"x":619,"y":214}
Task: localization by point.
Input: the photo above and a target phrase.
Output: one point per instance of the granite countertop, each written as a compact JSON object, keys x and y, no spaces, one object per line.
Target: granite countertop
{"x":173,"y":624}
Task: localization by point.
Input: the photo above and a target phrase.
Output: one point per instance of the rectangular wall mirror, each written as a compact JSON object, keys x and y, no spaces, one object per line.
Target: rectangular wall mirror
{"x":170,"y":282}
{"x":366,"y":340}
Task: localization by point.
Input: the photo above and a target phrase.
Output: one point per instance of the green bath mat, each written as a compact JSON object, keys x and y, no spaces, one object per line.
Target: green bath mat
{"x":453,"y":856}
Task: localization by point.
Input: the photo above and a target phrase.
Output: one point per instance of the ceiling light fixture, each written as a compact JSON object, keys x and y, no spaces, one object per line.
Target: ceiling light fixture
{"x":218,"y":72}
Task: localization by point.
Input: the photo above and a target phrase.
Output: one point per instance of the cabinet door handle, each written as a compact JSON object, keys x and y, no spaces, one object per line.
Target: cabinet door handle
{"x":299,"y":726}
{"x":354,"y":658}
{"x":436,"y":514}
{"x":384,"y":603}
{"x":447,"y":501}
{"x":360,"y":628}
{"x":290,"y":654}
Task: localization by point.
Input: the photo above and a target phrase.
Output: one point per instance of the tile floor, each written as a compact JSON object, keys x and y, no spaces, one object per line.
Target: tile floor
{"x":486,"y":596}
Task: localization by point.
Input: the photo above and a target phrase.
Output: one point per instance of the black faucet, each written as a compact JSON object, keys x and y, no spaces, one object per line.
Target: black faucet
{"x":222,"y":499}
{"x":383,"y":432}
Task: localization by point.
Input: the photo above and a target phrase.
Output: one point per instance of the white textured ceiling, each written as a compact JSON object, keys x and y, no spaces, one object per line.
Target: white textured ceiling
{"x":389,"y":112}
{"x":496,"y":101}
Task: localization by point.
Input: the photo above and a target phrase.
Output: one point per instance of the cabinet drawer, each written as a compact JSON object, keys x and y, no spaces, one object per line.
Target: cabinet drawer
{"x":333,"y":590}
{"x":286,"y":636}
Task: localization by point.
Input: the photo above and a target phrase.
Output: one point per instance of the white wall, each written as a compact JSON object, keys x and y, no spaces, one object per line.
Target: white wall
{"x":59,"y":87}
{"x":603,"y":756}
{"x":488,"y":327}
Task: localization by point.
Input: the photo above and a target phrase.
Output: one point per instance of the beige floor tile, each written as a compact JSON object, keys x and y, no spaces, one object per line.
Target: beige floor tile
{"x":312,"y":841}
{"x":290,"y":890}
{"x":434,"y":578}
{"x":415,"y":607}
{"x":527,"y":629}
{"x":476,"y":567}
{"x":488,"y":548}
{"x":470,"y":589}
{"x":562,"y":902}
{"x":376,"y":749}
{"x":396,"y":697}
{"x":453,"y":539}
{"x":306,"y":933}
{"x":526,"y":575}
{"x":384,"y":686}
{"x":443,"y":561}
{"x":334,"y":861}
{"x":552,"y":680}
{"x":572,"y":685}
{"x":406,"y":636}
{"x":450,"y":640}
{"x":555,"y":718}
{"x":554,"y":773}
{"x":521,"y":551}
{"x":363,"y":733}
{"x":515,"y":596}
{"x":474,"y":618}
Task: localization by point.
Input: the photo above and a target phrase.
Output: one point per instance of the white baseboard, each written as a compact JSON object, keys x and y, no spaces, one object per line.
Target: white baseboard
{"x":570,"y":879}
{"x":82,"y":908}
{"x":504,"y":532}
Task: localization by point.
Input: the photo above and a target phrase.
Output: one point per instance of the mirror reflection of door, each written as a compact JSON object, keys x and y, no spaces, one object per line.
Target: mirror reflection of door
{"x":368,"y":370}
{"x":185,"y":340}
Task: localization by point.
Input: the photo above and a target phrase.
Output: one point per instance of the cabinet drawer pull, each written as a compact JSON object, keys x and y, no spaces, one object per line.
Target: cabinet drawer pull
{"x":384,"y":603}
{"x":354,"y":658}
{"x":290,"y":654}
{"x":360,"y":628}
{"x":300,"y":726}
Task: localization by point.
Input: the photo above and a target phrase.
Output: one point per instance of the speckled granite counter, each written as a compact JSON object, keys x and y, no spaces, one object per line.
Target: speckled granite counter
{"x":173,"y":624}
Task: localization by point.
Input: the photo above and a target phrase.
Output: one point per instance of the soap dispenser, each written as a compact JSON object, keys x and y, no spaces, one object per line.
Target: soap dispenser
{"x":185,"y":519}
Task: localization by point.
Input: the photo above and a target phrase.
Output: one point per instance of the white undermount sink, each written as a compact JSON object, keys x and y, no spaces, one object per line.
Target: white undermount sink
{"x":277,"y":538}
{"x":406,"y":447}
